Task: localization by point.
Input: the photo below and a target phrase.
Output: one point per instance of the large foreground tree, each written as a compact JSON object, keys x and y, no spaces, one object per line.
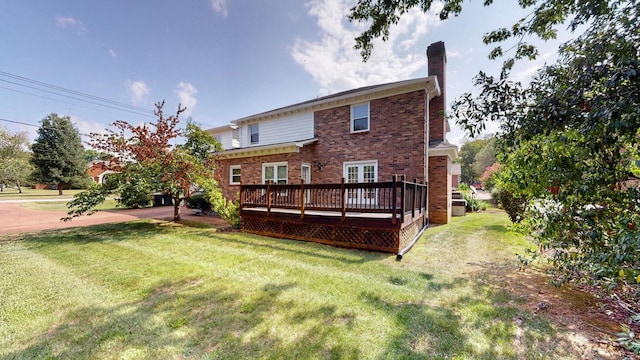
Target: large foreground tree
{"x":146,"y":159}
{"x":58,"y":154}
{"x":570,"y":139}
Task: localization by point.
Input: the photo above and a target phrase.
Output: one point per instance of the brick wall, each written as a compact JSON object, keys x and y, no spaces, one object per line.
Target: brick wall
{"x":397,"y":138}
{"x":439,"y":189}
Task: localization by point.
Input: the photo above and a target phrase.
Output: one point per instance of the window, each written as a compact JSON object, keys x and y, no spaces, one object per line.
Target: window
{"x":234,"y":171}
{"x":360,"y":117}
{"x":254,"y":134}
{"x":277,"y":173}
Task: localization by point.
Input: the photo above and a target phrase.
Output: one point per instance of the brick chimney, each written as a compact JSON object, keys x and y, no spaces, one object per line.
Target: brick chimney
{"x":437,"y":59}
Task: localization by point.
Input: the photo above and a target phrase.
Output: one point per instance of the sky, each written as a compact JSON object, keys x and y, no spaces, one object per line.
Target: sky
{"x":102,"y":61}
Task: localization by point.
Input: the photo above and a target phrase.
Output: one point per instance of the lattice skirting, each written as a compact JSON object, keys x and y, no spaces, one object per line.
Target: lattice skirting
{"x":383,"y":239}
{"x":386,"y":240}
{"x":409,"y":232}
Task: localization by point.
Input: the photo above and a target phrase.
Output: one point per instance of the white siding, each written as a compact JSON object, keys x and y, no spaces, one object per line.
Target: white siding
{"x":280,"y":130}
{"x":225,"y":138}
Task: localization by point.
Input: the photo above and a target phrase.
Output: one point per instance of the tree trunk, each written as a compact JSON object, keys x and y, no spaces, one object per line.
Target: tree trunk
{"x":18,"y":185}
{"x":59,"y":189}
{"x":176,"y":209}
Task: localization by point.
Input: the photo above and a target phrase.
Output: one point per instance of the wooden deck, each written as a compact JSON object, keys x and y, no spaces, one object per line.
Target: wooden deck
{"x":387,"y":216}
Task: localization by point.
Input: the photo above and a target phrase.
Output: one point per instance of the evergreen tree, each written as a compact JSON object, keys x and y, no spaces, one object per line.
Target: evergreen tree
{"x":58,"y":154}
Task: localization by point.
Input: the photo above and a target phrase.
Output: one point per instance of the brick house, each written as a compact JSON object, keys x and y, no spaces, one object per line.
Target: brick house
{"x":99,"y":169}
{"x":363,"y":135}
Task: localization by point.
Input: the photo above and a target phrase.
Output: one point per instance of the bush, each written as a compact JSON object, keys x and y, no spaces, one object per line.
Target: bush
{"x":199,"y":202}
{"x":228,"y":210}
{"x":512,"y":205}
{"x":134,"y":194}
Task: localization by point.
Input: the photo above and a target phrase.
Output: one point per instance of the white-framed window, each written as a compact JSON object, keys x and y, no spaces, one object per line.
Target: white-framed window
{"x":276,"y":172}
{"x":360,"y":118}
{"x":234,"y":174}
{"x":254,"y":134}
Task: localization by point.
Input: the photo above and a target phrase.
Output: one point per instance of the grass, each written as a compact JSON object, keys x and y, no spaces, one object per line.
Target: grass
{"x":62,"y":205}
{"x":11,"y":193}
{"x":161,"y":290}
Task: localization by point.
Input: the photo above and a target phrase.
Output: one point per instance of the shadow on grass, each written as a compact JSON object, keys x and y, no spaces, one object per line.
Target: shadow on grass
{"x":201,"y":316}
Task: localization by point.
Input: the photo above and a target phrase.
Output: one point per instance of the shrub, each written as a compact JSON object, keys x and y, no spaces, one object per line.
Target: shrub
{"x":199,"y":202}
{"x":514,"y":206}
{"x":135,"y":194}
{"x":228,"y":210}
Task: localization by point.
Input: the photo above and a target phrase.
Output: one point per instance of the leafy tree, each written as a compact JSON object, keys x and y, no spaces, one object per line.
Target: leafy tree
{"x":58,"y":154}
{"x":570,"y":143}
{"x":474,"y":157}
{"x":152,"y":163}
{"x":199,"y":142}
{"x":380,"y":15}
{"x":14,"y":158}
{"x":569,"y":139}
{"x":485,"y":157}
{"x":92,"y":155}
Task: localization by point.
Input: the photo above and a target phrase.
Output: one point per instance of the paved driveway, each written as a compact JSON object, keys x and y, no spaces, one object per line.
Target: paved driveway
{"x":16,"y":219}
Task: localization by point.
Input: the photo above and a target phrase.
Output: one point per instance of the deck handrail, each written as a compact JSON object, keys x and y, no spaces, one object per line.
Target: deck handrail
{"x":397,"y":197}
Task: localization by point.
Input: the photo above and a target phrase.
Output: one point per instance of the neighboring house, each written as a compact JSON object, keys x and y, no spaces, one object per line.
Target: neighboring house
{"x":368,"y":134}
{"x":98,"y":169}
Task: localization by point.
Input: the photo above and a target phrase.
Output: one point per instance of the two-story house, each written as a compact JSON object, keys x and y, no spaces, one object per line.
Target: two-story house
{"x":363,"y":135}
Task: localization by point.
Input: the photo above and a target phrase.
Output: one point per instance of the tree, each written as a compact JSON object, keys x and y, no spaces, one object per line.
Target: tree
{"x":14,"y":159}
{"x":199,"y":142}
{"x":570,"y":144}
{"x":58,"y":154}
{"x":475,"y":156}
{"x":485,"y":157}
{"x":150,"y":161}
{"x":380,"y":15}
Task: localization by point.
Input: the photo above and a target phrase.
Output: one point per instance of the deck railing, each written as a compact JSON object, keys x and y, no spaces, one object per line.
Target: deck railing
{"x":397,"y":197}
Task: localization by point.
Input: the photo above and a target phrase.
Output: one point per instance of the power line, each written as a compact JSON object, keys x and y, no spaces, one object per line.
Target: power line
{"x":79,"y":96}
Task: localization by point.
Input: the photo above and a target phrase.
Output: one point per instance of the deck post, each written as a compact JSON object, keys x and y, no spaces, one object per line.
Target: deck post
{"x":268,"y":197}
{"x":413,"y":198}
{"x":302,"y":199}
{"x":394,"y":194}
{"x":402,"y":199}
{"x":242,"y":198}
{"x":343,"y":200}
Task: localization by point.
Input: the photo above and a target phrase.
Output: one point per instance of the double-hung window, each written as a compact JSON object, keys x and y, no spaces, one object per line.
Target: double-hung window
{"x":234,"y":173}
{"x":360,"y":118}
{"x":276,"y":172}
{"x":254,"y":134}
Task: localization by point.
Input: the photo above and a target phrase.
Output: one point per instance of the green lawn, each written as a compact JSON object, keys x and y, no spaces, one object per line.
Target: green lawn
{"x":11,"y":193}
{"x":62,"y":205}
{"x":155,"y":290}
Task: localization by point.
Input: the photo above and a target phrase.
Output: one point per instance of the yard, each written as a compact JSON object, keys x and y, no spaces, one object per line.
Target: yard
{"x":151,"y":289}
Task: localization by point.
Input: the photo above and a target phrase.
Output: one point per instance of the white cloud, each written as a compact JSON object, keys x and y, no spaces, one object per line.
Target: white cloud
{"x":187,"y":94}
{"x":138,"y":91}
{"x":71,"y":22}
{"x":336,"y":65}
{"x":86,"y":127}
{"x":113,"y":53}
{"x":219,"y":6}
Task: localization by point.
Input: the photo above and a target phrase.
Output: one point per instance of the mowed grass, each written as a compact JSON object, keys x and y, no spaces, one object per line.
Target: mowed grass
{"x":152,"y":290}
{"x":11,"y":193}
{"x":62,"y":205}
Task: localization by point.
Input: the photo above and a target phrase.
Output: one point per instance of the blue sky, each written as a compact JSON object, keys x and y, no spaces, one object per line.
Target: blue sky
{"x":223,"y":59}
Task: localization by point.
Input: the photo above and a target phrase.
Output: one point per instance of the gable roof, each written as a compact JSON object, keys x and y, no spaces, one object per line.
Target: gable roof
{"x":430,"y":84}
